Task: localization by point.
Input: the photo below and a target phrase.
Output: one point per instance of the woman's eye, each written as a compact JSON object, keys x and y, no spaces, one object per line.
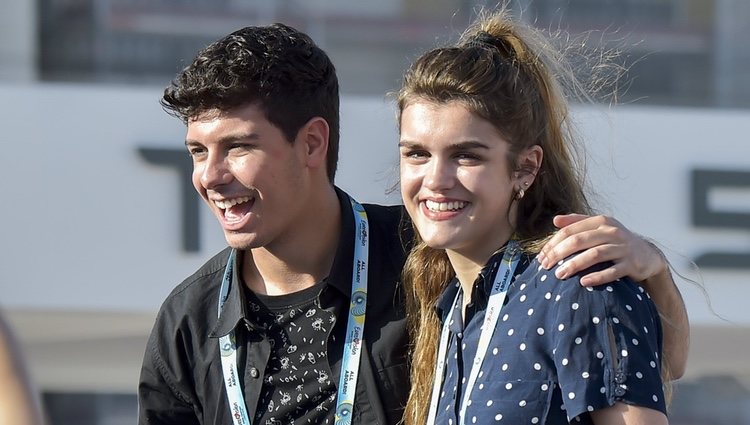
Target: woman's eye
{"x":467,"y":157}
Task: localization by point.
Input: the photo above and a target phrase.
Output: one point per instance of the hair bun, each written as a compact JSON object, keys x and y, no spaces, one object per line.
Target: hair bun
{"x":485,"y":39}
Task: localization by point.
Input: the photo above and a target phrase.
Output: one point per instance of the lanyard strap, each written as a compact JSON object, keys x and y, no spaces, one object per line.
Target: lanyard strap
{"x":354,"y":331}
{"x":228,"y":350}
{"x":356,"y":324}
{"x":503,"y":278}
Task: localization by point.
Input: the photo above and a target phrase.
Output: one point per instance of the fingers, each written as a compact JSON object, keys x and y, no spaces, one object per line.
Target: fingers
{"x":569,"y":224}
{"x":580,"y":233}
{"x":598,"y":239}
{"x":561,"y":221}
{"x":569,"y":246}
{"x":608,"y":275}
{"x":578,"y":263}
{"x":578,"y":222}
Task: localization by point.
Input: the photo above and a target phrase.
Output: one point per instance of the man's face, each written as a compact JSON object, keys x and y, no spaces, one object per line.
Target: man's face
{"x":252,"y":178}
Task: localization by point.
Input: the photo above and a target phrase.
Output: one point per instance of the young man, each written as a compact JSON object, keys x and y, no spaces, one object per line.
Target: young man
{"x":300,"y":320}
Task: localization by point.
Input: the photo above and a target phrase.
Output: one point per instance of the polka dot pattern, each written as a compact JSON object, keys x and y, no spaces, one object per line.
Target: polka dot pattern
{"x":545,"y":352}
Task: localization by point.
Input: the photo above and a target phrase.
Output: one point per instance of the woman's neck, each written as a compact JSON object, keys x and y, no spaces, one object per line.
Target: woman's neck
{"x":467,"y":265}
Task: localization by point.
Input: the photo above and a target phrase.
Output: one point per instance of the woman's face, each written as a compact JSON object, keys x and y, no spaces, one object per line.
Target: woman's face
{"x":456,"y":182}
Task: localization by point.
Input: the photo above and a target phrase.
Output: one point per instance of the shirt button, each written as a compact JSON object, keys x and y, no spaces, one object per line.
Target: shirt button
{"x":254,"y":372}
{"x":620,"y":377}
{"x":619,"y":391}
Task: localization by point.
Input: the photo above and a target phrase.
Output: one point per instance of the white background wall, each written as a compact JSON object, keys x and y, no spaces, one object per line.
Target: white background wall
{"x":86,"y":224}
{"x":17,"y":40}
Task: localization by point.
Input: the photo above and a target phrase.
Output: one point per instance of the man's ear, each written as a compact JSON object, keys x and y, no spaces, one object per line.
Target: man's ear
{"x":314,"y":139}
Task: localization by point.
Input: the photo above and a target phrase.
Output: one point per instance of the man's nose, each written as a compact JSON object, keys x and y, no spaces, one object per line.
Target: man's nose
{"x":215,"y":172}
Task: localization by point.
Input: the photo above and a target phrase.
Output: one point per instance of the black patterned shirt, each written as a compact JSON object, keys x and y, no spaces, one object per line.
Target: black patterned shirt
{"x":181,"y":379}
{"x":297,"y":386}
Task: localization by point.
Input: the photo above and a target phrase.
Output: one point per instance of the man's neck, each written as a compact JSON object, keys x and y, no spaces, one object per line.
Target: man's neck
{"x":302,"y":258}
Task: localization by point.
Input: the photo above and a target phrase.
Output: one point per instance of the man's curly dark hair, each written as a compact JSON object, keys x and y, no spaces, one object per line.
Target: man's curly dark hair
{"x":276,"y":67}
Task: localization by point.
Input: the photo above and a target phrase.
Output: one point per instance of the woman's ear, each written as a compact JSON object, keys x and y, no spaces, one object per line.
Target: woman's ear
{"x":314,"y":139}
{"x":528,"y":165}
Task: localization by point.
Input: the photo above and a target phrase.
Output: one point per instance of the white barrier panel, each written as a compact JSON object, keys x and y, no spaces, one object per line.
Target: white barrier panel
{"x":93,"y":216}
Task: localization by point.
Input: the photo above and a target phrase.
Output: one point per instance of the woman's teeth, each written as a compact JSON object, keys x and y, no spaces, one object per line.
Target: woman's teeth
{"x":445,"y":206}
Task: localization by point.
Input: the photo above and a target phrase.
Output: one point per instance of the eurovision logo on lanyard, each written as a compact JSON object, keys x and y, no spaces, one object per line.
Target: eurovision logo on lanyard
{"x":352,"y":344}
{"x":503,"y":278}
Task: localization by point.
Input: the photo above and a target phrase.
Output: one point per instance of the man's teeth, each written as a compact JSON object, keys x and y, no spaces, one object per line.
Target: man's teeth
{"x":445,"y":206}
{"x":229,"y":203}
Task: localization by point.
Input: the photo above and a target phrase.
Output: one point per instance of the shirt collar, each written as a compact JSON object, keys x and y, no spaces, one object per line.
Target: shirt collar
{"x":234,"y":306}
{"x":341,"y":271}
{"x":484,"y":281}
{"x":487,"y":275}
{"x":445,"y":301}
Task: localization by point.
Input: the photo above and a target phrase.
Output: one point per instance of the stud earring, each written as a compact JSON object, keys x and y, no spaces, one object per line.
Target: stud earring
{"x":522,"y":191}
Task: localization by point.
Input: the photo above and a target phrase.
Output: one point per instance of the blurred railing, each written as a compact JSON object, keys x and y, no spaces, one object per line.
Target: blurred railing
{"x":680,"y":52}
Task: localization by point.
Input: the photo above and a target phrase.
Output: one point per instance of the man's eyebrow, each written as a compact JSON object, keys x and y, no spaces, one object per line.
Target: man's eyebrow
{"x":408,"y":144}
{"x":228,"y":139}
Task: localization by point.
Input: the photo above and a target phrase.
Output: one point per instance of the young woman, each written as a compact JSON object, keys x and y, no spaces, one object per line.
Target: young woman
{"x":486,"y":164}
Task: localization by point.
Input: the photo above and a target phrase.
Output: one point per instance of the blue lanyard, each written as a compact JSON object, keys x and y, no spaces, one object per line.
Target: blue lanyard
{"x":503,"y":278}
{"x":352,"y":344}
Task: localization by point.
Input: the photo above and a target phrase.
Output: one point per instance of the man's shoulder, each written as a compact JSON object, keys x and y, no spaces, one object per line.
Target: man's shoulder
{"x":191,"y":306}
{"x":398,"y":207}
{"x":202,"y":283}
{"x":388,"y":217}
{"x":385,"y":211}
{"x":390,"y":225}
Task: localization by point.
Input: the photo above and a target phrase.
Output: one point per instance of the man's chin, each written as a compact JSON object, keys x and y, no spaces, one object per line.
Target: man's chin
{"x":242,"y":241}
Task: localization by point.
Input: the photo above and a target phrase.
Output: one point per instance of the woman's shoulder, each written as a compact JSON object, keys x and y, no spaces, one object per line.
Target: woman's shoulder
{"x":621,"y":295}
{"x":538,"y":275}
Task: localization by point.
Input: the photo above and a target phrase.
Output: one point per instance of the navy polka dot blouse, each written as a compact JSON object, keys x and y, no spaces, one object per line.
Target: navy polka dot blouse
{"x":559,"y":350}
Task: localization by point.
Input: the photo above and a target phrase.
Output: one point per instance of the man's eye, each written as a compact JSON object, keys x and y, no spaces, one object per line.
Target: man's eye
{"x":415,"y":154}
{"x":241,"y":146}
{"x":196,"y":151}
